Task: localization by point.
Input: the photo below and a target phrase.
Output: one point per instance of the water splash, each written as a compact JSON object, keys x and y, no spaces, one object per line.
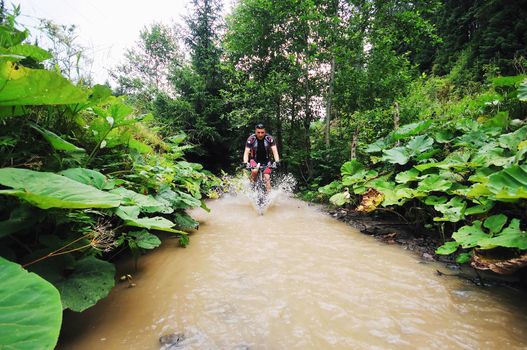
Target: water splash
{"x":282,"y":185}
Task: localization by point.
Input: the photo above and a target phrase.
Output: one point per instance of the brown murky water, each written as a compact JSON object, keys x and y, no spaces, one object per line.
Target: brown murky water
{"x":294,"y":278}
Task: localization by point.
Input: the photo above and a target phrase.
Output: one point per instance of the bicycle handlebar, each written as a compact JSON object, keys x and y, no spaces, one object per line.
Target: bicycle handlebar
{"x":262,"y":167}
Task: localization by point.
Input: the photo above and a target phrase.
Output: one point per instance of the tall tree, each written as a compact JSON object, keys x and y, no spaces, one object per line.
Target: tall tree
{"x":199,"y":106}
{"x":67,"y":54}
{"x":144,"y":73}
{"x":481,"y":33}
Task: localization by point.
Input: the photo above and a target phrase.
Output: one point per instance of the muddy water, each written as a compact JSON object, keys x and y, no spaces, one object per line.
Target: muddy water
{"x":294,"y":278}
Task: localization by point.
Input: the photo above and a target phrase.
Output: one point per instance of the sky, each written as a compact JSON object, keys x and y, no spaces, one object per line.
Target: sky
{"x":105,"y":27}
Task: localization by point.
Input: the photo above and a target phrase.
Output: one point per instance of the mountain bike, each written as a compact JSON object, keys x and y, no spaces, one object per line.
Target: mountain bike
{"x":261,"y":195}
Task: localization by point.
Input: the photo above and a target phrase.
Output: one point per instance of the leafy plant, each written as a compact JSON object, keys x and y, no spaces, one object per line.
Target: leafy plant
{"x":80,"y":171}
{"x":455,"y":170}
{"x":31,"y":309}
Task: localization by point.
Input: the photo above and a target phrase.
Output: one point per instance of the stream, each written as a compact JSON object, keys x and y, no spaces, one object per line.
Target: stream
{"x":293,"y":278}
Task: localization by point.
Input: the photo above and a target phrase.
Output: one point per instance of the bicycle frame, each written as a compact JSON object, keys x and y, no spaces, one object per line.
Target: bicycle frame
{"x":259,"y":185}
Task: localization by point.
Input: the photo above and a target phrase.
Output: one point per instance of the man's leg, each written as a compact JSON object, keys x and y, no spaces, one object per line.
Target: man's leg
{"x":254,"y":175}
{"x":267,"y":178}
{"x":254,"y":172}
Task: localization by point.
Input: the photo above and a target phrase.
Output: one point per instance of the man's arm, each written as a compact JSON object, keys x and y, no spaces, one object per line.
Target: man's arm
{"x":275,"y":153}
{"x":246,"y":155}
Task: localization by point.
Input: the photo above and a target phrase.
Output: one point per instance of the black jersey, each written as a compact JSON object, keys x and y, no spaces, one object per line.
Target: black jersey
{"x":260,"y":148}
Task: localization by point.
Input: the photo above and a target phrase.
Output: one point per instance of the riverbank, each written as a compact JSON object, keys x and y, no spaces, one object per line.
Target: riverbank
{"x":388,"y":228}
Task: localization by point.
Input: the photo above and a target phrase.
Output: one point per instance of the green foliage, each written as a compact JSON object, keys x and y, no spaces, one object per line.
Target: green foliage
{"x":455,"y":169}
{"x":64,"y":210}
{"x":89,"y":177}
{"x":144,"y":239}
{"x":58,"y":143}
{"x":144,"y":72}
{"x":31,"y":309}
{"x":130,"y":216}
{"x":25,"y":86}
{"x":91,"y":280}
{"x":522,"y":91}
{"x":48,"y":190}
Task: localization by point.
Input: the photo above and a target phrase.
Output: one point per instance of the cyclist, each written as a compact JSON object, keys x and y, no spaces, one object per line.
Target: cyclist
{"x":257,"y":154}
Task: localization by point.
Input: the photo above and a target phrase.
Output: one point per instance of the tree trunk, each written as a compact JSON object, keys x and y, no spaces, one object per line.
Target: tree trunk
{"x":329,"y":101}
{"x":396,"y":120}
{"x":353,"y":154}
{"x":279,"y":140}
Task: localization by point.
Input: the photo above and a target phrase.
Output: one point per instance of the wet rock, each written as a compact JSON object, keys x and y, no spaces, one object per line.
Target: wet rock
{"x":241,"y":347}
{"x":172,"y":339}
{"x":427,"y":256}
{"x":454,"y":267}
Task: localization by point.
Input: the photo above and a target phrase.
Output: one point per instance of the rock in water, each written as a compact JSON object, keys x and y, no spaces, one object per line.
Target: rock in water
{"x":172,"y":339}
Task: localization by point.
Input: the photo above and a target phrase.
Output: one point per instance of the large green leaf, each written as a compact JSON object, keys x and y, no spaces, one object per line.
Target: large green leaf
{"x":469,"y":236}
{"x":443,"y":136}
{"x":491,"y":154}
{"x":421,"y":157}
{"x":478,"y":190}
{"x":513,"y":139}
{"x":130,"y":216}
{"x":185,"y":221}
{"x":98,"y":95}
{"x":399,"y":195}
{"x":434,"y":200}
{"x":495,"y":223}
{"x":144,"y":239}
{"x":473,"y":139}
{"x":89,"y":177}
{"x":411,"y":129}
{"x":178,"y":199}
{"x":339,"y":199}
{"x":24,"y":86}
{"x":360,"y":176}
{"x":147,"y":204}
{"x":26,"y":50}
{"x":331,"y":188}
{"x":56,"y":141}
{"x":396,"y":155}
{"x":9,"y":36}
{"x":91,"y":280}
{"x":453,"y":210}
{"x":434,"y":182}
{"x":509,"y":184}
{"x":31,"y":311}
{"x":511,"y":237}
{"x":481,"y":175}
{"x":480,"y":208}
{"x":351,"y":167}
{"x":507,"y":81}
{"x":419,"y":144}
{"x":377,"y":146}
{"x":49,"y":190}
{"x":407,"y":176}
{"x":447,"y":248}
{"x":499,"y":122}
{"x":456,"y":160}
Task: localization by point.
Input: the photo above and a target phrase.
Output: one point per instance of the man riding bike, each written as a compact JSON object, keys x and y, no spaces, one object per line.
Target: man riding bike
{"x":257,"y":154}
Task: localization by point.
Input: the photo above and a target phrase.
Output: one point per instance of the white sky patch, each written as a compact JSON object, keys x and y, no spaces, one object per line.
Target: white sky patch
{"x":106,"y":28}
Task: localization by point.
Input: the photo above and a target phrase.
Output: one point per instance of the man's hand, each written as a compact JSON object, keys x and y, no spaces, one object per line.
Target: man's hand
{"x":277,"y":164}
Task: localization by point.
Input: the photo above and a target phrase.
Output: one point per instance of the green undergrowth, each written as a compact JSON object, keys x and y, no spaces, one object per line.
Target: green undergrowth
{"x":83,"y":177}
{"x":460,"y":169}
